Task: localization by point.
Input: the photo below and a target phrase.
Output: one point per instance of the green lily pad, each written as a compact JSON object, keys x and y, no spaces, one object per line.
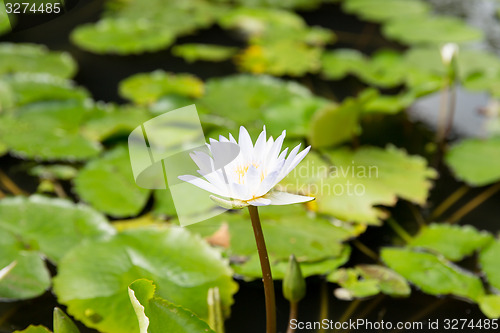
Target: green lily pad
{"x":430,"y":30}
{"x":204,"y":52}
{"x":368,"y":280}
{"x":48,"y":131}
{"x":339,"y":63}
{"x":336,"y":123}
{"x":452,"y":241}
{"x":108,"y":120}
{"x":290,"y":4}
{"x":156,"y":314}
{"x":385,"y":69}
{"x":488,"y":259}
{"x":432,"y":274}
{"x":29,"y":88}
{"x":490,"y":306}
{"x":122,"y":36}
{"x":355,"y":182}
{"x":243,"y":98}
{"x":294,"y":115}
{"x":34,"y":329}
{"x":51,"y":226}
{"x":107,"y":183}
{"x":54,"y":171}
{"x":4,"y":21}
{"x":475,"y":161}
{"x":182,"y":265}
{"x":389,"y":104}
{"x":251,"y":270}
{"x":384,"y":10}
{"x":31,"y":58}
{"x":35,"y":228}
{"x":6,"y":96}
{"x":281,"y":57}
{"x":288,"y":230}
{"x":259,"y":21}
{"x":147,"y":88}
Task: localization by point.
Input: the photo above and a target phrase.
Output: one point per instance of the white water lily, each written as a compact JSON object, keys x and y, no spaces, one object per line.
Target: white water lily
{"x":249,"y":178}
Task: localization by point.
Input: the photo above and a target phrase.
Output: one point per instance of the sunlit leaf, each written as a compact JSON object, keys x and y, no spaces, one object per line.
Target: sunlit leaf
{"x":283,"y":57}
{"x":182,"y":265}
{"x":490,"y":306}
{"x":243,"y":98}
{"x":203,"y":52}
{"x":384,"y":10}
{"x":355,"y":182}
{"x":107,"y":183}
{"x":148,"y":88}
{"x":488,"y":259}
{"x":453,"y":242}
{"x":31,"y":58}
{"x":4,"y":20}
{"x":475,"y":161}
{"x":157,"y":315}
{"x":433,"y":274}
{"x":430,"y":29}
{"x":291,"y":4}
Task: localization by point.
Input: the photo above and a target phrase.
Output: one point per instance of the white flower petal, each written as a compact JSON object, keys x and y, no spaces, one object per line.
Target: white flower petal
{"x":245,"y":143}
{"x":203,"y":184}
{"x":297,"y":159}
{"x":284,"y":198}
{"x":203,"y":161}
{"x":270,"y":181}
{"x":259,"y":202}
{"x":260,"y":147}
{"x":252,"y":179}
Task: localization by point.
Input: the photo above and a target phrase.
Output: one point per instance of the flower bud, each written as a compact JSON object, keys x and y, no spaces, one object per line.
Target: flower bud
{"x":448,"y":52}
{"x":294,"y":284}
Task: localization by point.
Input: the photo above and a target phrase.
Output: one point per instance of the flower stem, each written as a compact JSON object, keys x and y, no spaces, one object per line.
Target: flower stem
{"x":482,"y":197}
{"x":294,"y":309}
{"x":267,"y":277}
{"x":449,"y":201}
{"x":402,"y":233}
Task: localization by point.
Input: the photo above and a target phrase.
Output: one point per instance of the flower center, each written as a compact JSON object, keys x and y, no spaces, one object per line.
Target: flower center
{"x":241,"y":171}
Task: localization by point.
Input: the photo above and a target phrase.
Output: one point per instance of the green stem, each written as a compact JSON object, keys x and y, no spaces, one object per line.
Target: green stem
{"x":448,"y":202}
{"x":365,"y":250}
{"x":267,"y":277}
{"x":350,"y":310}
{"x":399,"y":230}
{"x":294,"y":310}
{"x":467,"y":208}
{"x":323,"y":311}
